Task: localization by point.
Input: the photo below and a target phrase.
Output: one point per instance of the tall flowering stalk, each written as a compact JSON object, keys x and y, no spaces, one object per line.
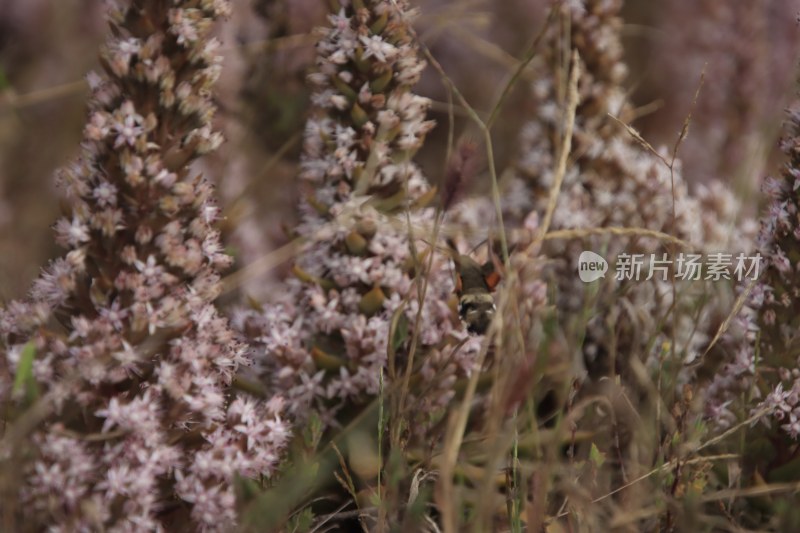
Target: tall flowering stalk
{"x":131,"y":363}
{"x":356,"y":285}
{"x":759,"y":379}
{"x":777,"y":298}
{"x":767,"y":332}
{"x":614,"y":182}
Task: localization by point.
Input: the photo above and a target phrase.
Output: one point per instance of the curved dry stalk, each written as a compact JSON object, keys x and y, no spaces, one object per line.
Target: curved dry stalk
{"x":566,"y":148}
{"x":618,"y":231}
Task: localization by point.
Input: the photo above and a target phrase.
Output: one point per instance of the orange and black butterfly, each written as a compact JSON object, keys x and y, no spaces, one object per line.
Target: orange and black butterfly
{"x":474,"y":286}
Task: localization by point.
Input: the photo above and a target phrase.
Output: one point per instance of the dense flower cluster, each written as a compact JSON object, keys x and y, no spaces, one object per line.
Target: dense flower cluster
{"x":615,"y":181}
{"x":767,"y":328}
{"x":327,"y":339}
{"x":133,"y":362}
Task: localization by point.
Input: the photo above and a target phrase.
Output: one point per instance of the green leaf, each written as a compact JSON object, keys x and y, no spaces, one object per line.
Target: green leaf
{"x":372,"y":302}
{"x":302,"y":521}
{"x":400,"y":332}
{"x":596,"y":456}
{"x":325,"y":360}
{"x":312,"y":433}
{"x":4,"y":83}
{"x":356,"y":243}
{"x":24,"y":380}
{"x":345,"y":89}
{"x":379,"y":25}
{"x":358,"y":115}
{"x":246,"y":489}
{"x":381,"y":82}
{"x":786,"y":473}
